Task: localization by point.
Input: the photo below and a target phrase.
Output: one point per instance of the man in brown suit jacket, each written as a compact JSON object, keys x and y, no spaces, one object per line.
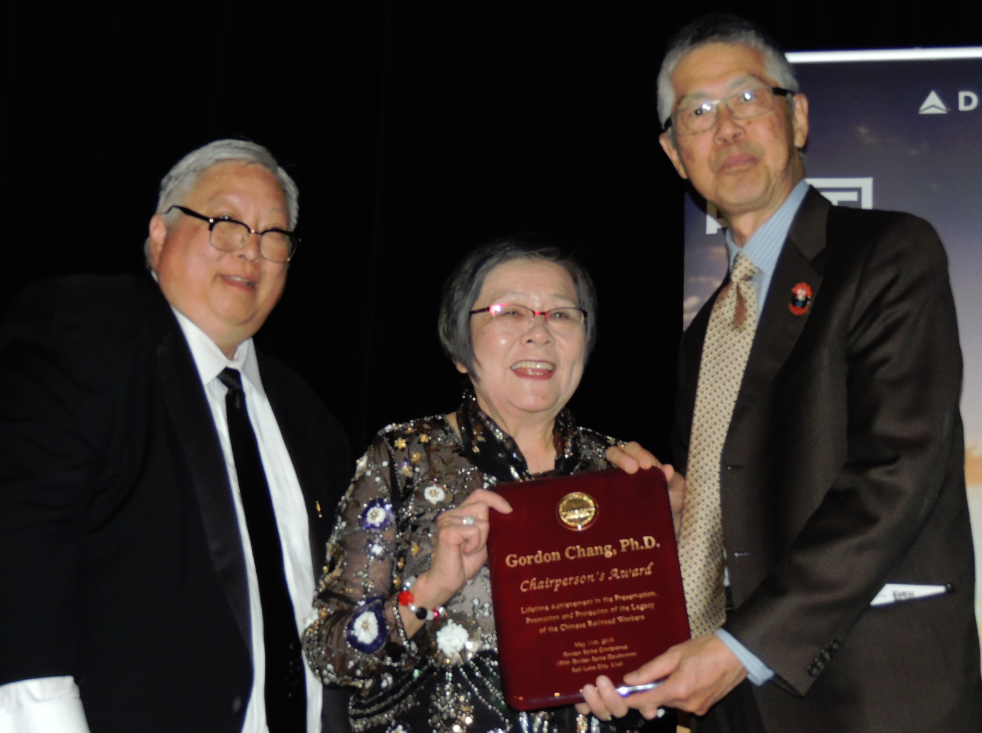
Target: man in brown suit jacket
{"x":841,"y":472}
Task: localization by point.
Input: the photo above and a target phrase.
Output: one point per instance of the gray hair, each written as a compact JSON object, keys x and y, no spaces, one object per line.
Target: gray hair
{"x":463,"y":288}
{"x":180,"y":180}
{"x":721,"y":28}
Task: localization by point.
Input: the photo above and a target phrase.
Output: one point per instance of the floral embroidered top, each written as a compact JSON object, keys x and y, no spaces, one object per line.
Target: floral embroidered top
{"x":445,"y":679}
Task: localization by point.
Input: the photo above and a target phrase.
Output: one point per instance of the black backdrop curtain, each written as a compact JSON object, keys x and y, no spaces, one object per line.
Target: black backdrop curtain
{"x":415,"y":132}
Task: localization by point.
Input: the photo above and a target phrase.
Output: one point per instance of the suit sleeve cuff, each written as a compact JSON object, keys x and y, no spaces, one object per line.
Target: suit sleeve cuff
{"x":757,"y":671}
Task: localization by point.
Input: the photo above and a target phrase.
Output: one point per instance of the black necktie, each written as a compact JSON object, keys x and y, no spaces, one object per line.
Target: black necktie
{"x":286,"y":701}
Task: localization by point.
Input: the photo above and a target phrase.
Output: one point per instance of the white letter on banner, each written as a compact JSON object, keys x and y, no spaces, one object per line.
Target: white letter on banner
{"x":967,"y":101}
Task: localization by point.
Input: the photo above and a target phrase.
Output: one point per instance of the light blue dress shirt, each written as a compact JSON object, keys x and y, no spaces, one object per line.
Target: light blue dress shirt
{"x":763,"y":249}
{"x":765,"y":245}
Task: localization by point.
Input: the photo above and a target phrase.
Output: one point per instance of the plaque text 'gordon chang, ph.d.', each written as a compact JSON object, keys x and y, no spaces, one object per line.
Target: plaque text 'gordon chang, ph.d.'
{"x":579,"y":552}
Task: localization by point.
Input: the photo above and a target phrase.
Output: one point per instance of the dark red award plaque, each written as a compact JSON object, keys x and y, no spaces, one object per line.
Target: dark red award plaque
{"x":585,"y":579}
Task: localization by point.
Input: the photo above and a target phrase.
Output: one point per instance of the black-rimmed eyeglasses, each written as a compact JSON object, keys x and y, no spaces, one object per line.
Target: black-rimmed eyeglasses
{"x":229,"y":235}
{"x":743,"y":105}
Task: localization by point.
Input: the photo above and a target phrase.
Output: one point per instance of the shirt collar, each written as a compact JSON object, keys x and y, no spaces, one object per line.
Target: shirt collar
{"x":765,"y":245}
{"x":210,"y":360}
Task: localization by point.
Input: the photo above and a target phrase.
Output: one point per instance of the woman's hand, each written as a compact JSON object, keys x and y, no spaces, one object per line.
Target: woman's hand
{"x":630,"y":457}
{"x":461,"y":548}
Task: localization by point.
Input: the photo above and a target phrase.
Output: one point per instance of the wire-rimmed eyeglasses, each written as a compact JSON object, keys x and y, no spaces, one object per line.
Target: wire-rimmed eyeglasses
{"x":228,"y":235}
{"x":513,"y":318}
{"x":744,"y":105}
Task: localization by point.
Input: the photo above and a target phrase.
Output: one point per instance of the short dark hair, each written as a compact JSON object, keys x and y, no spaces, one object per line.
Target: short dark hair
{"x":464,"y":286}
{"x":721,"y":28}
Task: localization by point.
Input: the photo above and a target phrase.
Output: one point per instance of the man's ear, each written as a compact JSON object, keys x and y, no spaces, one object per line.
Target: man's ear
{"x":158,"y":235}
{"x":799,"y":120}
{"x":673,"y":154}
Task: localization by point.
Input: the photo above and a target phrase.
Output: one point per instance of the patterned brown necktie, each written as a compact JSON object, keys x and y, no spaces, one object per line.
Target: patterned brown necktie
{"x":724,"y":357}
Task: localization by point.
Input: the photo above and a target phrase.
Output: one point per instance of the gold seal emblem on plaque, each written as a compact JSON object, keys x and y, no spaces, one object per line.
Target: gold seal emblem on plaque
{"x":577,"y":510}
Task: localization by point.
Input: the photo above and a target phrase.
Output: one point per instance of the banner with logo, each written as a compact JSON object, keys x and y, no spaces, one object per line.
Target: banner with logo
{"x":898,"y":130}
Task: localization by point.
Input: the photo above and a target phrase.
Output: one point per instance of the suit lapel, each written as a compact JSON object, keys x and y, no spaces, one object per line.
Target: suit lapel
{"x":195,"y":427}
{"x":779,"y":328}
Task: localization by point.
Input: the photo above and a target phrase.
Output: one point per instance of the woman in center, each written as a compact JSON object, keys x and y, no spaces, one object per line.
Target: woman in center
{"x":405,"y":607}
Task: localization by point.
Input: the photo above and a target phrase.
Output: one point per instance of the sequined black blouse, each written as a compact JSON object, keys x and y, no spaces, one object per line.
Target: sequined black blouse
{"x":385,"y":532}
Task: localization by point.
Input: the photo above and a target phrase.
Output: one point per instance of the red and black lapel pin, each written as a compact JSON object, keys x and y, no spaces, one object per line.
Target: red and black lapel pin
{"x":801,"y":298}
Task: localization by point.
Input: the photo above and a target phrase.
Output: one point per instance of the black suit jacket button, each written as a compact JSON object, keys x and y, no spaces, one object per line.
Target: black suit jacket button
{"x":236,"y":704}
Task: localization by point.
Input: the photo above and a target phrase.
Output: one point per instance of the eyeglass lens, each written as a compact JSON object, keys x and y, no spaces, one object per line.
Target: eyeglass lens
{"x":229,"y":236}
{"x":518,"y":318}
{"x":745,"y":105}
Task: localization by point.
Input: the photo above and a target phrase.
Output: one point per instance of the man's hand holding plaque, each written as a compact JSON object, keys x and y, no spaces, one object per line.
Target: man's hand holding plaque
{"x":693,"y":676}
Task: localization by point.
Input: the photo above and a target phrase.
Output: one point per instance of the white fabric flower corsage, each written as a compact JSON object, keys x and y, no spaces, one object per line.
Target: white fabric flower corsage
{"x":452,"y":638}
{"x":458,"y":639}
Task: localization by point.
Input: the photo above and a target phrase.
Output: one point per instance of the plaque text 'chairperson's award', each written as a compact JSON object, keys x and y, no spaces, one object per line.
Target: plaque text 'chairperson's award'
{"x":585,"y":579}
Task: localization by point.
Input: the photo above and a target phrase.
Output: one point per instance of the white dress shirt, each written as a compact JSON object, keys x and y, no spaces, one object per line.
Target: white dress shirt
{"x":52,"y":704}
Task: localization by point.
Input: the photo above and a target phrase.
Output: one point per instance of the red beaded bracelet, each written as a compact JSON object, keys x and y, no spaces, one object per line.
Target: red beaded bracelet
{"x":406,"y":598}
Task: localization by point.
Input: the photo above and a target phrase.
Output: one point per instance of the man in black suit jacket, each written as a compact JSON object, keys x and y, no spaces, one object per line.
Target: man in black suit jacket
{"x":126,"y":565}
{"x":840,"y":469}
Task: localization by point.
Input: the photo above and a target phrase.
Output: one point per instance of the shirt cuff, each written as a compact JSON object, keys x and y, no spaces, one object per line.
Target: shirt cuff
{"x":757,"y":671}
{"x":43,"y":705}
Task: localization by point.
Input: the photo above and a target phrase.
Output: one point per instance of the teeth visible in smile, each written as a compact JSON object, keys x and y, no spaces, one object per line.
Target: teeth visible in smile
{"x":527,"y":364}
{"x":240,"y":279}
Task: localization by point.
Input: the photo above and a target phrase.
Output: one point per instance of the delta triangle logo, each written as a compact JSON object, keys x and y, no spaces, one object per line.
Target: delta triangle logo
{"x":933,"y":105}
